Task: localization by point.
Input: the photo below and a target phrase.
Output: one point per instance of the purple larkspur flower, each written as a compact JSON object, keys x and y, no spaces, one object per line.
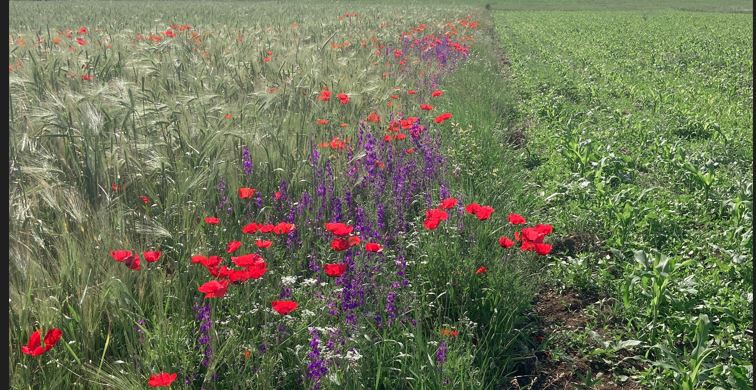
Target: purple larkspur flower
{"x":391,"y":306}
{"x":336,"y":209}
{"x":205,"y":324}
{"x":317,"y":368}
{"x":441,"y":353}
{"x":246,"y":160}
{"x":443,"y":192}
{"x":285,"y":293}
{"x":315,"y":155}
{"x":223,"y":203}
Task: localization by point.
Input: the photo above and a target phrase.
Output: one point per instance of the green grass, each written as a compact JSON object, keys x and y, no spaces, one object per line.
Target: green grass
{"x":639,"y":125}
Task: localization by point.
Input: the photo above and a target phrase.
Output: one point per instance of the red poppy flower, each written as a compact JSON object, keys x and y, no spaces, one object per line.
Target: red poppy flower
{"x":151,"y":256}
{"x":410,"y":151}
{"x":322,"y":121}
{"x":144,"y":199}
{"x":542,"y":249}
{"x":339,"y":244}
{"x":169,"y":33}
{"x":256,"y":270}
{"x":408,"y":122}
{"x":343,"y":124}
{"x":232,"y":246}
{"x":52,"y":337}
{"x":437,"y":214}
{"x":266,"y":228}
{"x":373,"y":117}
{"x":433,"y":217}
{"x":449,"y":332}
{"x":162,"y":379}
{"x":35,"y":347}
{"x":250,"y":228}
{"x":517,"y":236}
{"x":262,"y":244}
{"x":87,"y":77}
{"x":426,"y":107}
{"x":212,"y":220}
{"x":81,"y":41}
{"x":133,"y":262}
{"x":400,"y":137}
{"x":253,"y":271}
{"x":431,"y":223}
{"x":527,"y":245}
{"x":373,"y":247}
{"x":83,"y":31}
{"x":411,"y":92}
{"x":339,"y":229}
{"x":387,"y":138}
{"x":394,"y":97}
{"x":246,"y":260}
{"x":533,"y":234}
{"x":443,"y":117}
{"x":284,"y":307}
{"x":343,"y":98}
{"x":277,"y":195}
{"x":210,"y":262}
{"x":505,"y":242}
{"x":353,"y":241}
{"x":283,"y":228}
{"x":214,"y":288}
{"x":481,"y":270}
{"x":246,"y":193}
{"x":334,"y":270}
{"x":437,"y":93}
{"x":544,"y":229}
{"x":228,"y":116}
{"x":325,"y":95}
{"x":337,"y":144}
{"x":266,"y":59}
{"x":481,"y":212}
{"x":484,"y":212}
{"x":448,"y":203}
{"x":515,"y":219}
{"x":472,"y":208}
{"x":115,"y":187}
{"x":120,"y":255}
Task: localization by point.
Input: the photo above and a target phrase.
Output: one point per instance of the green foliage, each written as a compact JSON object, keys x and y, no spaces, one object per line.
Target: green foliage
{"x":641,"y":122}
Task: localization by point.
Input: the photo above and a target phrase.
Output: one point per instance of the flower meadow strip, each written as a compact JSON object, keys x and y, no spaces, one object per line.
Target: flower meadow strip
{"x":285,"y":257}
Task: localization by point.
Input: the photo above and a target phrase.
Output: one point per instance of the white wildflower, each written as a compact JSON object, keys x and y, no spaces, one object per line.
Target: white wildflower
{"x":352,"y":356}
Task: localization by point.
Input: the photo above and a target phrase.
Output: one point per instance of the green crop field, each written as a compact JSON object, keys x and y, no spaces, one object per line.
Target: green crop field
{"x":408,"y":195}
{"x":638,"y":129}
